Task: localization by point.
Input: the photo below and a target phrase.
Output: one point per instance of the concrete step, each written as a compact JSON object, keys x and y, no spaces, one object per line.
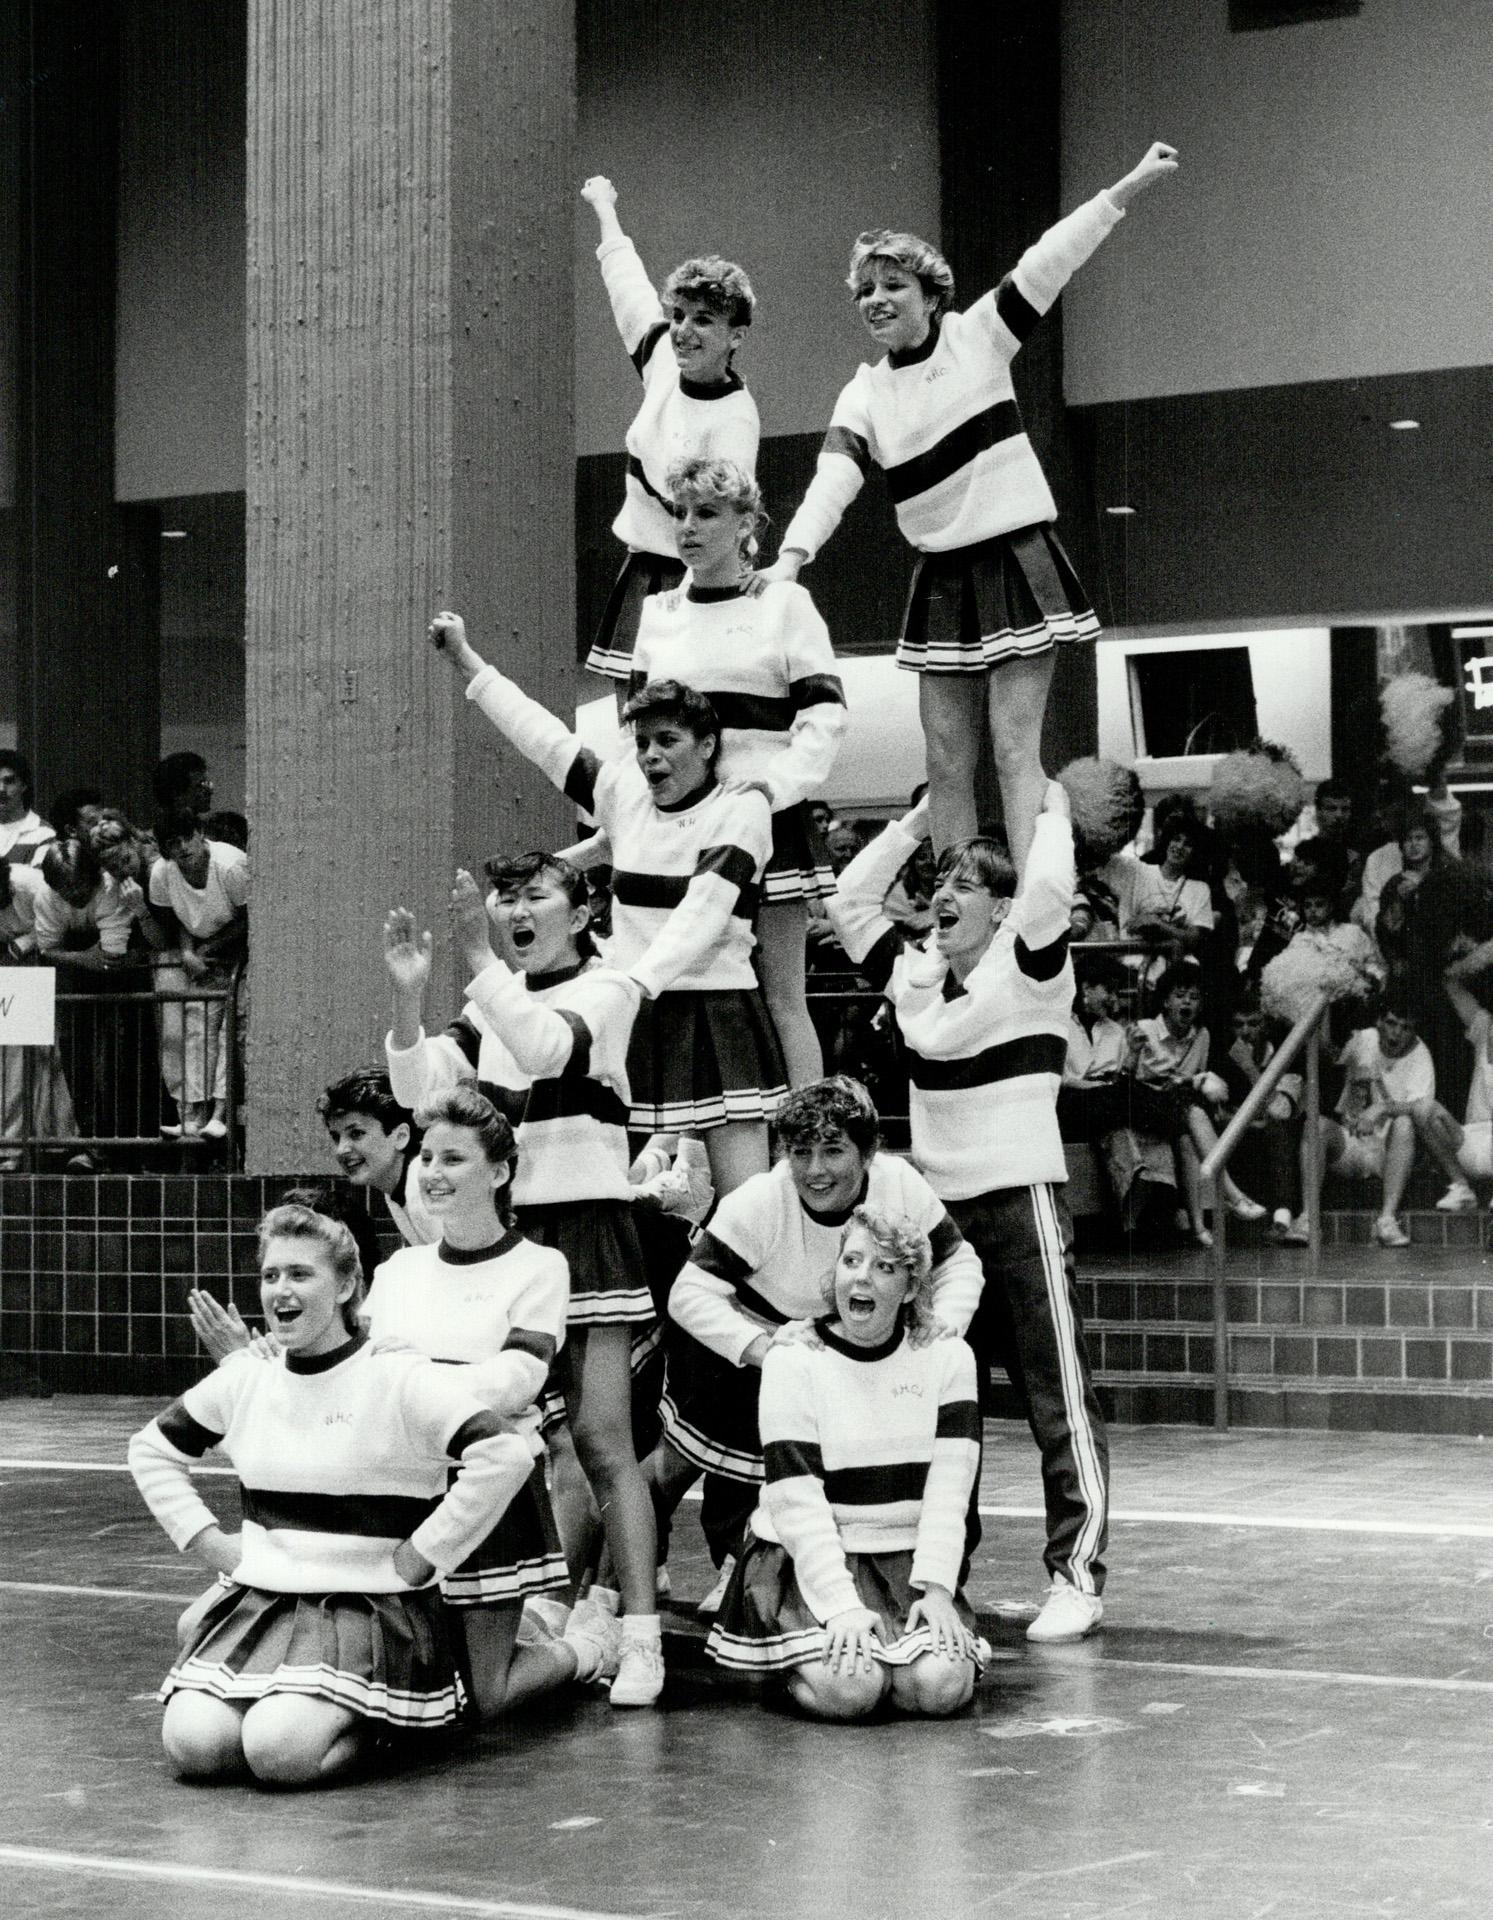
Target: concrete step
{"x":1392,"y":1298}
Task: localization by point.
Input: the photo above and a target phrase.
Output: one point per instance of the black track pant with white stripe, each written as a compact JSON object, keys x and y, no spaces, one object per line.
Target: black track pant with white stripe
{"x":1028,"y":1322}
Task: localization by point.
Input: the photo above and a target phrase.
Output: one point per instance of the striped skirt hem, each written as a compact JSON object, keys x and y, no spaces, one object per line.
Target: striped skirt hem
{"x":1011,"y":598}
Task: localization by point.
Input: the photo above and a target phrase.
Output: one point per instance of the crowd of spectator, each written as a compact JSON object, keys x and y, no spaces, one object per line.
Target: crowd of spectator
{"x":119,"y":909}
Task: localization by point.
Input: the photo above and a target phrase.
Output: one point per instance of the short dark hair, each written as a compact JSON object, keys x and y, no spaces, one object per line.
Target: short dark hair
{"x":70,"y":803}
{"x":672,"y":700}
{"x":20,"y":766}
{"x":367,"y":1090}
{"x":229,"y":826}
{"x":1328,"y":857}
{"x":835,"y":1105}
{"x":174,"y":776}
{"x":1101,"y":970}
{"x":70,"y":863}
{"x":179,"y":824}
{"x":1181,"y":973}
{"x":1333,"y":789}
{"x":516,"y":870}
{"x":983,"y":860}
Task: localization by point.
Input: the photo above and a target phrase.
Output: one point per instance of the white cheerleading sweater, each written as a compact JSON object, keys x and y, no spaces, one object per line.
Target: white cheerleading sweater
{"x":340,"y":1458}
{"x":867,"y":1450}
{"x":985,"y":1059}
{"x":766,"y":664}
{"x":685,"y":882}
{"x":678,"y":420}
{"x":551,"y":1051}
{"x":498,"y":1313}
{"x":941,"y":420}
{"x":764,"y":1246}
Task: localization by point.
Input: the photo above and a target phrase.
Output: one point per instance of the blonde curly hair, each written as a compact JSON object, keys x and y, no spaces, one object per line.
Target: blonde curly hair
{"x":727,"y":484}
{"x":899,"y":1237}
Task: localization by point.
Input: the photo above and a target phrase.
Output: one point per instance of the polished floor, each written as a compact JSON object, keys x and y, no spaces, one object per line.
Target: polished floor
{"x":1289,"y":1713}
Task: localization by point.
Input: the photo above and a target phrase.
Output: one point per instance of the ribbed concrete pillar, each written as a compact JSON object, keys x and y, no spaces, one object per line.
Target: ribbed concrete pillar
{"x":410,"y":446}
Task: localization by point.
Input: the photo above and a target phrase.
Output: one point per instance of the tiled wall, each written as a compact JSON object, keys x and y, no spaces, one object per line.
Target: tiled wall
{"x":94,"y":1273}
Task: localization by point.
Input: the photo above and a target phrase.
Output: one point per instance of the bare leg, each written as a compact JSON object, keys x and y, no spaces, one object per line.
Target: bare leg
{"x":933,"y":1686}
{"x":837,"y":1696}
{"x":598,"y":1393}
{"x":1204,"y":1137}
{"x":737,"y":1151}
{"x":1442,"y":1135}
{"x":203,"y":1736}
{"x":570,"y":1495}
{"x":668,"y":1477}
{"x":1190,"y":1175}
{"x":504,"y":1674}
{"x":1017,"y":695}
{"x":782,"y":933}
{"x":1399,"y":1158}
{"x":952,"y":709}
{"x":292,"y":1741}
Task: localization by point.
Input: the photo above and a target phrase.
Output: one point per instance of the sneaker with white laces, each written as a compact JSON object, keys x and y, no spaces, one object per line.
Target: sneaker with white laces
{"x":1389,"y":1233}
{"x":640,"y":1673}
{"x":595,"y":1638}
{"x":1066,"y":1614}
{"x":1458,"y":1198}
{"x":1243,"y":1208}
{"x":711,"y":1604}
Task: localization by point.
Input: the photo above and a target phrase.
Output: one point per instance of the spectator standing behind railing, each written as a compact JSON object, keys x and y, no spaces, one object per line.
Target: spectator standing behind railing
{"x":50,"y":1111}
{"x":200,"y":888}
{"x":21,"y":830}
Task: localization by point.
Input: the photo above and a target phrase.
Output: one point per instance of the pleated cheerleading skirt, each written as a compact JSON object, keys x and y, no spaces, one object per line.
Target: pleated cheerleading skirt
{"x":709,"y":1408}
{"x":386,"y":1657}
{"x":608,"y":1286}
{"x":703,"y":1060}
{"x":642,"y":574}
{"x":798,"y":867}
{"x":521,"y":1555}
{"x":765,"y":1625}
{"x":1010,"y":598}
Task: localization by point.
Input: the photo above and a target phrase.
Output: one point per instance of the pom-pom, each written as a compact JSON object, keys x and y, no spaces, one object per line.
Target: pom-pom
{"x":1411,"y":705}
{"x":1261,"y":786}
{"x":1292,"y":981}
{"x":1106,"y":803}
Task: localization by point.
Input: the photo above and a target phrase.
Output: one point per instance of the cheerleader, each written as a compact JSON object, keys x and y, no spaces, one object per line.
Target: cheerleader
{"x":992,"y":589}
{"x":494,"y":1303}
{"x":759,"y":1264}
{"x":694,"y":406}
{"x":688,"y":859}
{"x":544,"y":1031}
{"x":327,"y":1626}
{"x":849,"y":1584}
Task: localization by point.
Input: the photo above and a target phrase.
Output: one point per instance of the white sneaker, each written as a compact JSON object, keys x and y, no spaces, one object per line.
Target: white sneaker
{"x":1297,"y":1233}
{"x":1243,"y":1208}
{"x":1389,"y":1233}
{"x":1458,"y":1198}
{"x":711,"y":1604}
{"x":595,"y":1637}
{"x":640,"y":1674}
{"x":1066,"y":1614}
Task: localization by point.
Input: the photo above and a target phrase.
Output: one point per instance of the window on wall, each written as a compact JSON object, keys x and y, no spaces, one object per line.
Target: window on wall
{"x":1189,"y":703}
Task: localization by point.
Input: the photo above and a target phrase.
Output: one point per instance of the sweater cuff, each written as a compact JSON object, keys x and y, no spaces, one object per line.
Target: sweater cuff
{"x":608,"y":247}
{"x":482,"y":680}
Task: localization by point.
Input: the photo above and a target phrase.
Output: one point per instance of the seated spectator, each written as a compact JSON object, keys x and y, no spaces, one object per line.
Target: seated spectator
{"x":1267,"y":1154}
{"x":48,"y":1113}
{"x":1463,"y":1150}
{"x":200,"y":887}
{"x":1092,"y":1099}
{"x":1169,"y":1054}
{"x":1322,"y":925}
{"x":21,"y":830}
{"x":1255,"y":886}
{"x":1332,"y":811}
{"x":1387,"y":1074}
{"x":1440,"y":812}
{"x":182,"y":784}
{"x":75,"y":811}
{"x":1171,"y":902}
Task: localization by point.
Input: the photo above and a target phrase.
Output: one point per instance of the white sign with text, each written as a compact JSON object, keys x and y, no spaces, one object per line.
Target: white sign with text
{"x":28,"y":1006}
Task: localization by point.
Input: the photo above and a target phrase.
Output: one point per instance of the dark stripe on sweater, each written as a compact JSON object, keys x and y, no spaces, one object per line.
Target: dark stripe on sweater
{"x":635,"y":472}
{"x":372,"y":1516}
{"x":878,"y":963}
{"x":734,"y":864}
{"x":851,"y":445}
{"x":187,"y":1435}
{"x":1042,"y":963}
{"x":580,"y":1044}
{"x":481,"y":1426}
{"x":959,"y":1420}
{"x":666,"y":890}
{"x":642,"y":353}
{"x":1017,"y":313}
{"x":714,"y":1256}
{"x":791,"y":1460}
{"x":580,"y":780}
{"x":954,"y":452}
{"x":945,"y":1240}
{"x":876,"y":1486}
{"x":530,"y":1340}
{"x":574,"y":1096}
{"x":816,"y":690}
{"x":1034,"y":1053}
{"x":466,"y":1039}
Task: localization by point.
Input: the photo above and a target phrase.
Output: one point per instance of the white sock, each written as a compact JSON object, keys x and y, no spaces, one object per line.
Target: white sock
{"x":642,"y":1628}
{"x":605,"y":1599}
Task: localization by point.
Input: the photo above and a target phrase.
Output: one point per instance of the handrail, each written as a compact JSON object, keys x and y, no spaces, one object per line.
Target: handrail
{"x":1305,"y":1035}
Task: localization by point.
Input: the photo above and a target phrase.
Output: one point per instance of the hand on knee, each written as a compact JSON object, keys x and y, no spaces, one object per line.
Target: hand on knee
{"x":838,"y":1696}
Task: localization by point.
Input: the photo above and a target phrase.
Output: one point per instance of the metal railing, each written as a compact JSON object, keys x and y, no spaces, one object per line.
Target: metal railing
{"x":122,"y":1059}
{"x":1305,"y":1037}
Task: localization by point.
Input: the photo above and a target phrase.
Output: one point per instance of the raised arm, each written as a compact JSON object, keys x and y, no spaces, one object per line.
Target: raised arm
{"x":421,"y":1065}
{"x":1043,"y":909}
{"x":859,"y":918}
{"x":840,"y":473}
{"x":635,"y":303}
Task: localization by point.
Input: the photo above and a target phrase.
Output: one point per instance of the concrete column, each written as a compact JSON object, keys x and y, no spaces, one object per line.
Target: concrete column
{"x":410,"y":446}
{"x":1000,"y":154}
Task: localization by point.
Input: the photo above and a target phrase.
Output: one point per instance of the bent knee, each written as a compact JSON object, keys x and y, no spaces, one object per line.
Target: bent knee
{"x":838,"y":1696}
{"x":935,"y":1686}
{"x":201,"y":1737}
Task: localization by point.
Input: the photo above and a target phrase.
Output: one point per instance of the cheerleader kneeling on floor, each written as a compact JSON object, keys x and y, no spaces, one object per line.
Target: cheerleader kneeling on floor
{"x":849,"y":1583}
{"x":329,"y":1628}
